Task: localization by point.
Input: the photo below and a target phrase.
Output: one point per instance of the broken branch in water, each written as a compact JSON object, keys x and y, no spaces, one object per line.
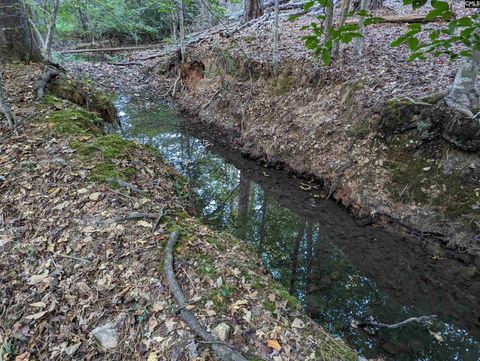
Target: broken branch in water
{"x":374,"y":324}
{"x":222,"y":350}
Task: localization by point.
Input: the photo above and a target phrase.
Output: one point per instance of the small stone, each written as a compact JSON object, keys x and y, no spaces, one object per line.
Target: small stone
{"x":222,"y":331}
{"x":95,"y":197}
{"x":106,"y":336}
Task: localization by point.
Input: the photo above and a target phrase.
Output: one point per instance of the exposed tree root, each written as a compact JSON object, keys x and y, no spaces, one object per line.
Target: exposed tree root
{"x":221,"y":349}
{"x":42,"y":83}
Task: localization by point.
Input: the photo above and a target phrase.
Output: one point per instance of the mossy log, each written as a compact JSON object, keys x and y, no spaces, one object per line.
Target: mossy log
{"x":64,"y":87}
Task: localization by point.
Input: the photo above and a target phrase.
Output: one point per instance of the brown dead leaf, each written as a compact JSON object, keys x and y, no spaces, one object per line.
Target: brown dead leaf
{"x":274,"y":344}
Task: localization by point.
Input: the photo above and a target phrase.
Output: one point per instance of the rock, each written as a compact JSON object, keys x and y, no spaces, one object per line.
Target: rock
{"x":106,"y":336}
{"x":95,"y":196}
{"x":222,"y":331}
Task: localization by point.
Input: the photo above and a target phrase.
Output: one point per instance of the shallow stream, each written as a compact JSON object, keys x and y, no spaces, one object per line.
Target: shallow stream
{"x":341,"y":270}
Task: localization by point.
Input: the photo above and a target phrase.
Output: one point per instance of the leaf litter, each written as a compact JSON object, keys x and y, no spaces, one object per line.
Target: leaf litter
{"x":76,"y":286}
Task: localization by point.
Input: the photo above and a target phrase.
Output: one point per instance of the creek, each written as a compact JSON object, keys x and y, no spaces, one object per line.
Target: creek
{"x":340,"y":269}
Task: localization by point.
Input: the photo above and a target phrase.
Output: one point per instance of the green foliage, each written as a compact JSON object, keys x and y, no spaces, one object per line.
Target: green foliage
{"x":125,"y":20}
{"x":464,"y":31}
{"x":321,"y":41}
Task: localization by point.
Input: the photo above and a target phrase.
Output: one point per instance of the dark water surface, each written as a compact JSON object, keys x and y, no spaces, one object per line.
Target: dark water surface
{"x":340,"y":270}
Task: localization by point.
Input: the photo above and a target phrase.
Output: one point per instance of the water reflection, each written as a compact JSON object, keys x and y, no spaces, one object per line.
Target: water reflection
{"x":341,"y":271}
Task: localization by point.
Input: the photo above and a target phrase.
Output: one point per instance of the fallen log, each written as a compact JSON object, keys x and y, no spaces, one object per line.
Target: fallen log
{"x":221,"y":349}
{"x":400,"y":19}
{"x":105,"y":50}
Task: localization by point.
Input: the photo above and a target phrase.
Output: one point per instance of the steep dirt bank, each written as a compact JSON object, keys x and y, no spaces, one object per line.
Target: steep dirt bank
{"x":359,"y":126}
{"x":70,"y":264}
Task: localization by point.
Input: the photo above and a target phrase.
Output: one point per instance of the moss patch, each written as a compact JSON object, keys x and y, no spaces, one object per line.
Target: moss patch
{"x":75,"y":121}
{"x":106,"y":147}
{"x":421,"y":181}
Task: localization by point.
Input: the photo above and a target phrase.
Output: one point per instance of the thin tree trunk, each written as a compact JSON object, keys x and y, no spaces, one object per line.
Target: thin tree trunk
{"x":174,"y":26}
{"x":341,"y":20}
{"x":358,"y":42}
{"x":252,"y":9}
{"x":182,"y":28}
{"x":276,"y":50}
{"x":16,"y":40}
{"x":5,"y":107}
{"x":243,"y":202}
{"x":328,"y":18}
{"x":294,"y":256}
{"x":47,"y":45}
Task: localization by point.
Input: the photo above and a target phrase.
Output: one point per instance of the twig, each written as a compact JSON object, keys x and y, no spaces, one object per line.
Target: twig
{"x":375,"y":324}
{"x":125,"y":184}
{"x":157,"y":221}
{"x":71,"y":257}
{"x":131,"y":217}
{"x":223,"y":351}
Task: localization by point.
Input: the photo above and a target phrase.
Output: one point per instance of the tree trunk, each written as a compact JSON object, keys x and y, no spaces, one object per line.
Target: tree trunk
{"x":252,"y":9}
{"x":16,"y":40}
{"x":358,"y":42}
{"x":276,"y":50}
{"x":371,"y":4}
{"x":5,"y":107}
{"x":243,"y":202}
{"x":463,"y":95}
{"x":47,"y":44}
{"x":182,"y":28}
{"x":341,"y":20}
{"x":328,"y":19}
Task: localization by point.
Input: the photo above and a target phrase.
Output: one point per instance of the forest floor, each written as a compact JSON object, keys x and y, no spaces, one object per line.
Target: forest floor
{"x":80,"y":282}
{"x":329,"y":121}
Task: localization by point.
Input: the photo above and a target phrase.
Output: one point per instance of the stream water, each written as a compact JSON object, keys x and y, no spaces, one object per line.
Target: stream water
{"x":340,"y":270}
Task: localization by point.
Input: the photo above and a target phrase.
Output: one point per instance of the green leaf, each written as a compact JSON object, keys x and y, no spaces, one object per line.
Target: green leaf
{"x":413,"y":43}
{"x":326,"y":58}
{"x":308,"y":5}
{"x":398,"y":41}
{"x":294,"y":17}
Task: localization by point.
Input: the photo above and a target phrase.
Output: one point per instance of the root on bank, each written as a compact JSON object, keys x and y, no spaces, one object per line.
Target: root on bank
{"x":221,"y":349}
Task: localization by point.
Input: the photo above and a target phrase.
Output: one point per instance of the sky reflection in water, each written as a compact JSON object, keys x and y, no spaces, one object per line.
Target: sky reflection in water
{"x":297,"y":249}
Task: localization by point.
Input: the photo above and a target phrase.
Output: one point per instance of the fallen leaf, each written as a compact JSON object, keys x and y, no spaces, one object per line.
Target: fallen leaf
{"x":36,"y":316}
{"x":298,"y":323}
{"x":23,"y":357}
{"x":144,"y":224}
{"x":274,"y":344}
{"x":152,"y":356}
{"x":36,"y":279}
{"x":38,"y":304}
